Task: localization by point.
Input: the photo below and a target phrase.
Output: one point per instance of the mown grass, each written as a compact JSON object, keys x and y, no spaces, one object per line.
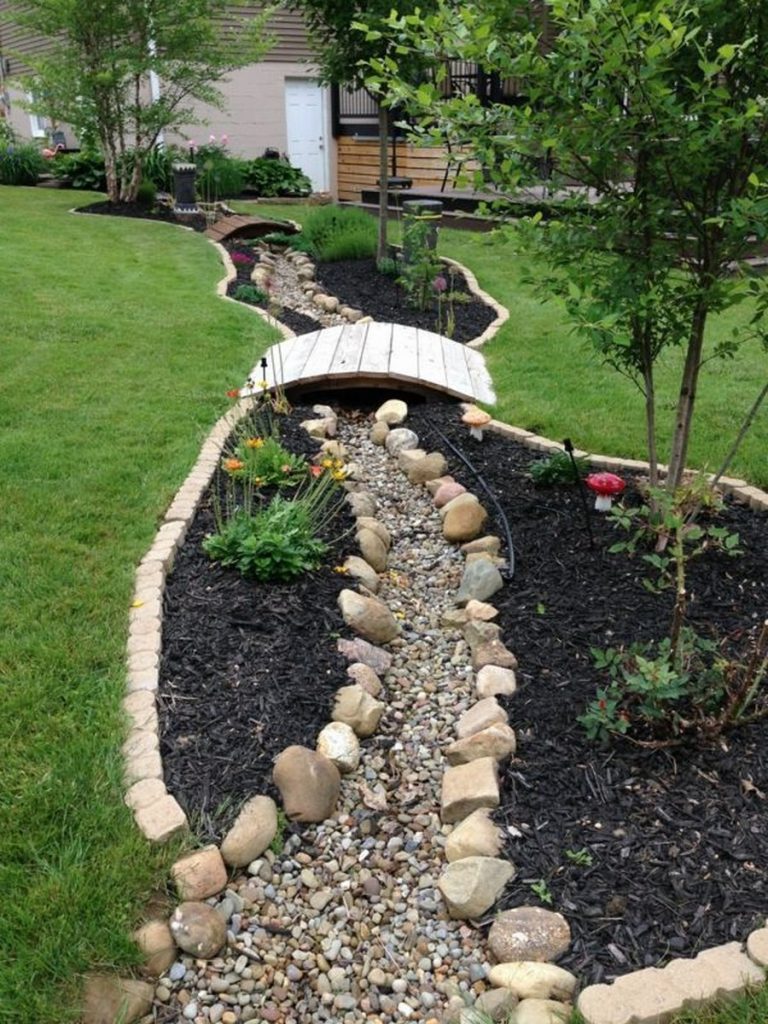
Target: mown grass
{"x":114,"y":361}
{"x":550,"y":381}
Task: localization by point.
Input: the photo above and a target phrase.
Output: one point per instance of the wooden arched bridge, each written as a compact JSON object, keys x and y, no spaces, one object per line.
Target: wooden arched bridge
{"x":377,"y":355}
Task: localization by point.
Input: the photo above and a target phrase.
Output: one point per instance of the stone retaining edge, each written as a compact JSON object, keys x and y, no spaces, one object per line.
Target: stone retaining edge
{"x":740,"y":490}
{"x":502,"y":313}
{"x":157,"y":814}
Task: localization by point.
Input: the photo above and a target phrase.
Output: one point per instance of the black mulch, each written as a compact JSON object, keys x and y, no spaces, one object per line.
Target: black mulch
{"x":244,"y":260}
{"x":677,"y":840}
{"x":164,"y":213}
{"x":247,"y":668}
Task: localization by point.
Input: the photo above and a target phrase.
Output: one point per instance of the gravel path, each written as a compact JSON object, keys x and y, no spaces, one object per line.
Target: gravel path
{"x":346,"y":923}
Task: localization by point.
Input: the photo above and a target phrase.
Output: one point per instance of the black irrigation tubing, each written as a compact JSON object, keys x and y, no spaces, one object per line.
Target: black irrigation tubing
{"x":509,"y":572}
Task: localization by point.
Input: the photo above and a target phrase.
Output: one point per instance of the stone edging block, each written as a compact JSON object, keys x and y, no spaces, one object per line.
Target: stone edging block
{"x":502,"y":313}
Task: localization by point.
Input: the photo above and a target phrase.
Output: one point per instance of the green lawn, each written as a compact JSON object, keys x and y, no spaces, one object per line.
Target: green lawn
{"x":114,"y":362}
{"x":551,"y":382}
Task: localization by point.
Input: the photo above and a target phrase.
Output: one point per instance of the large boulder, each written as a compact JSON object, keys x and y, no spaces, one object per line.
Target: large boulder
{"x":308,"y":782}
{"x":338,"y":742}
{"x":254,"y":829}
{"x":368,"y":616}
{"x":358,"y":709}
{"x":471,"y":886}
{"x":198,"y":929}
{"x":529,"y":933}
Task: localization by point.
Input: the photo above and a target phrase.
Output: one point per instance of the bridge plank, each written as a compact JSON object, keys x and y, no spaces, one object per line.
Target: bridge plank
{"x":431,"y":363}
{"x":404,"y":354}
{"x":378,"y":345}
{"x":320,"y":361}
{"x":456,"y":371}
{"x":349,"y":350}
{"x":482,"y":386}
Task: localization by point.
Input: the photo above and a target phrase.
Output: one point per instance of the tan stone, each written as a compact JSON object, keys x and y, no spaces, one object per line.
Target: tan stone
{"x":493,"y":653}
{"x":468,"y":787}
{"x":529,"y":979}
{"x":155,"y":941}
{"x":161,"y":820}
{"x":358,"y":709}
{"x":464,"y":521}
{"x":472,"y":885}
{"x":365,"y":676}
{"x":480,"y":610}
{"x":373,"y":549}
{"x":492,"y":681}
{"x":200,"y":874}
{"x":433,"y":486}
{"x":108,"y":999}
{"x":139,"y":705}
{"x":496,"y":1003}
{"x":369,"y":523}
{"x":600,"y":1004}
{"x":363,"y":572}
{"x":485,"y":556}
{"x":757,"y":946}
{"x":529,"y":933}
{"x":400,"y":439}
{"x":409,"y":456}
{"x":253,"y":830}
{"x":460,"y":501}
{"x":478,"y":631}
{"x":481,"y":716}
{"x":475,"y":836}
{"x":362,"y":503}
{"x":368,"y":616}
{"x":145,"y":792}
{"x":198,"y":929}
{"x":428,"y":468}
{"x":320,"y":428}
{"x":393,"y":412}
{"x":378,"y":434}
{"x":453,"y":618}
{"x":734,"y":970}
{"x":447,"y":492}
{"x":308,"y":782}
{"x":542,"y":1011}
{"x":498,"y":741}
{"x":490,"y":544}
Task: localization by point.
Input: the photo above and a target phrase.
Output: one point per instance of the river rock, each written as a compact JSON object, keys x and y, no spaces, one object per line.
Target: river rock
{"x":254,"y":829}
{"x":498,"y":742}
{"x":155,"y":941}
{"x":361,"y":503}
{"x":338,"y":742}
{"x":360,"y":650}
{"x":365,"y":677}
{"x":408,"y":456}
{"x":198,"y":929}
{"x":480,"y":611}
{"x":358,"y":709}
{"x":369,"y":523}
{"x":529,"y":979}
{"x":379,"y":433}
{"x":320,"y":428}
{"x":477,"y":632}
{"x":467,"y":787}
{"x":308,"y":782}
{"x":200,"y":874}
{"x":107,"y":998}
{"x":498,"y":1004}
{"x":463,"y":522}
{"x":393,"y":412}
{"x":492,"y":681}
{"x":447,"y":492}
{"x":400,"y":439}
{"x":529,"y":933}
{"x":490,"y":544}
{"x":433,"y":486}
{"x":460,"y":501}
{"x":476,"y":836}
{"x":368,"y":616}
{"x":373,"y":549}
{"x":427,"y":468}
{"x":362,"y":571}
{"x":481,"y":716}
{"x":480,"y":581}
{"x":493,"y":653}
{"x":471,"y":886}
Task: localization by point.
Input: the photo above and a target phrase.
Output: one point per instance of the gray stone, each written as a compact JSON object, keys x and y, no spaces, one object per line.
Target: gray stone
{"x":254,"y":829}
{"x":529,"y":933}
{"x":393,"y":412}
{"x":308,"y":782}
{"x":480,"y":581}
{"x":481,"y":716}
{"x":498,"y":741}
{"x":368,"y":616}
{"x":198,"y":929}
{"x":338,"y":742}
{"x":358,"y":709}
{"x":477,"y":632}
{"x":369,"y":654}
{"x":362,"y":571}
{"x":471,"y":886}
{"x":476,"y":836}
{"x":361,"y":503}
{"x":400,"y":439}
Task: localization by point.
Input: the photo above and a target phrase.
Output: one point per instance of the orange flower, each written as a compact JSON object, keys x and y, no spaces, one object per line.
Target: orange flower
{"x":316,"y":470}
{"x":254,"y":442}
{"x":234,"y":393}
{"x":232,"y":465}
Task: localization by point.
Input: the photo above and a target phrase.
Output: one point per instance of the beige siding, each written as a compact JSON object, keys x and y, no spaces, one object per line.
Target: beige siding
{"x":16,"y":40}
{"x":289,"y":31}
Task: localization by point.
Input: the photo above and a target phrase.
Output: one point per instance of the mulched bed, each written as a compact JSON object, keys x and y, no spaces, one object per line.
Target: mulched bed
{"x":677,"y":839}
{"x":247,"y":669}
{"x":196,"y":221}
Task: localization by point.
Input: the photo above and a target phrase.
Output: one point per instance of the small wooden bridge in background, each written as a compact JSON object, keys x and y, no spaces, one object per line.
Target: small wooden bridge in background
{"x":377,"y":355}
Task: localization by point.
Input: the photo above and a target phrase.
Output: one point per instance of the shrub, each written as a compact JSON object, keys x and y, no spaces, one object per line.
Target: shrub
{"x":218,"y":174}
{"x":337,"y":233}
{"x":251,"y":294}
{"x":276,"y":178}
{"x":7,"y":134}
{"x":558,"y":469}
{"x":147,"y":194}
{"x":83,"y":170}
{"x":20,"y":163}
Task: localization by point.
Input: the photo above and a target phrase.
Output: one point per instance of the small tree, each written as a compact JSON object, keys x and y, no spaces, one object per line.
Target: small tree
{"x":658,"y":110}
{"x":343,"y":52}
{"x":95,"y":73}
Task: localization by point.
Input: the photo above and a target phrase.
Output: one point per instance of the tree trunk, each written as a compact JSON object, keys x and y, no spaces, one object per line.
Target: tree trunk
{"x":650,"y":424}
{"x":686,"y":398}
{"x":110,"y":171}
{"x":381,"y":251}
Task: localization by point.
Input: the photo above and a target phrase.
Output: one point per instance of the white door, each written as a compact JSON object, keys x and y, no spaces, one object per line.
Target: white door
{"x":306,"y":124}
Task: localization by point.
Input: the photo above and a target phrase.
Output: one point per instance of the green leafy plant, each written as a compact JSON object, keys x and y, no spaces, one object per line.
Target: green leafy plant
{"x":278,"y":840}
{"x":420,"y":267}
{"x":259,"y":458}
{"x":270,"y":178}
{"x":84,"y":170}
{"x":557,"y":468}
{"x":20,"y":163}
{"x":251,"y":294}
{"x":288,"y":238}
{"x":337,"y":233}
{"x":542,"y":890}
{"x":146,"y":194}
{"x":583,"y":858}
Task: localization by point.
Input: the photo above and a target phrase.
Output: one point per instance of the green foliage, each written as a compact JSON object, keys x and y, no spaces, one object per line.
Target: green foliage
{"x":259,"y":458}
{"x":583,"y":858}
{"x":271,"y":178}
{"x":20,"y":163}
{"x":542,"y":890}
{"x":219,"y":175}
{"x":278,"y":842}
{"x":282,"y":237}
{"x":83,"y":170}
{"x":557,"y":468}
{"x":420,"y":267}
{"x":337,"y":233}
{"x":146,"y":194}
{"x":158,"y":166}
{"x":251,"y":294}
{"x":7,"y":134}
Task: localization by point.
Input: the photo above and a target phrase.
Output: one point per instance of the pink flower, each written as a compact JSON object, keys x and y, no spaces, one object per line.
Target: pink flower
{"x":440,"y":284}
{"x":224,"y":140}
{"x":211,"y":138}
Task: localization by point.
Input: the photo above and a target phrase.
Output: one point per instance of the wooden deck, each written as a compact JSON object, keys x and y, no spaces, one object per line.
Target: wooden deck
{"x":378,"y":355}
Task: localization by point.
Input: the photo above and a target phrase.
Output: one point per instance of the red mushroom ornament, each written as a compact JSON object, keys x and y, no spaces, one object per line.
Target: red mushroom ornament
{"x":605,"y":486}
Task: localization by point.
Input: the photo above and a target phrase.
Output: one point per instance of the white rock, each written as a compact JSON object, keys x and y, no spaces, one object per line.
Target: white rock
{"x":338,"y":742}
